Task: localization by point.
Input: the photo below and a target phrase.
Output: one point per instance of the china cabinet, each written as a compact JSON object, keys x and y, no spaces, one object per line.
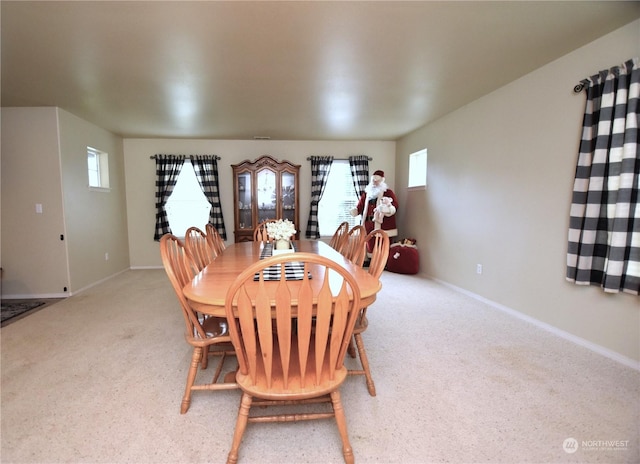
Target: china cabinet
{"x":264,"y":189}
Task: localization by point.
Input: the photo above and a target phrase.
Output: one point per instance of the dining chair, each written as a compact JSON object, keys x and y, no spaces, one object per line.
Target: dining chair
{"x":353,"y":246}
{"x":195,"y":240}
{"x":208,"y":336}
{"x":292,"y":355}
{"x":214,"y":240}
{"x":379,"y":245}
{"x":260,"y":234}
{"x":339,"y":236}
{"x":196,"y":245}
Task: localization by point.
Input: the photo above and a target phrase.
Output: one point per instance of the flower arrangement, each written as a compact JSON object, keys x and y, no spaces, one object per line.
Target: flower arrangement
{"x":281,"y":229}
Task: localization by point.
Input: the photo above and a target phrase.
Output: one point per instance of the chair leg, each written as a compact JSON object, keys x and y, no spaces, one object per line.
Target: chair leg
{"x":365,"y":364}
{"x":241,"y":425}
{"x":191,"y":377}
{"x":341,"y":420}
{"x":352,"y":349}
{"x":205,"y":358}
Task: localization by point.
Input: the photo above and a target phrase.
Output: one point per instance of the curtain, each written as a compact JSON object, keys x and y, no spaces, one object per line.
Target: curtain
{"x":168,"y":169}
{"x":604,"y":227}
{"x":359,"y":173}
{"x":206,"y":169}
{"x":320,"y":167}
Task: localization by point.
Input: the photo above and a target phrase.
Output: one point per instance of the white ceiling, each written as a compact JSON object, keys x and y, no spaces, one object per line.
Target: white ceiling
{"x":309,"y":70}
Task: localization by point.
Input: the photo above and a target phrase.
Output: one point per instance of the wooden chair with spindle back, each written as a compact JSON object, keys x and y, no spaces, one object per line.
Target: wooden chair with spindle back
{"x":208,"y":336}
{"x":379,"y":246}
{"x":292,"y":355}
{"x":353,"y":246}
{"x":214,"y":240}
{"x":195,"y":240}
{"x":260,"y":234}
{"x":339,"y":236}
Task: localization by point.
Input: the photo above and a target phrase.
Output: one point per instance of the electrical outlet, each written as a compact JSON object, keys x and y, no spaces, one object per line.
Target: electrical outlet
{"x":106,"y":256}
{"x":478,"y":268}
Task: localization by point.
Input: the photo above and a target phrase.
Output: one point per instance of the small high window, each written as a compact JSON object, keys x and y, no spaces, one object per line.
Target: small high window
{"x":418,"y":169}
{"x":98,"y":168}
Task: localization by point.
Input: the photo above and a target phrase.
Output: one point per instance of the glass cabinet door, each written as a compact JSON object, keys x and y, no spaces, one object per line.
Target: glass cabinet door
{"x":288,"y":196}
{"x":266,"y":193}
{"x":264,"y":188}
{"x":244,"y":200}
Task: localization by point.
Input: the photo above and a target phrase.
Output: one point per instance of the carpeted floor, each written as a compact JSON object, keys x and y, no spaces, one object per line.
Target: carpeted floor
{"x":98,"y":378}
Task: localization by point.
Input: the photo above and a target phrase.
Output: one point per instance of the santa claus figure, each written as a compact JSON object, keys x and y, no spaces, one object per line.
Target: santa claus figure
{"x":378,"y":206}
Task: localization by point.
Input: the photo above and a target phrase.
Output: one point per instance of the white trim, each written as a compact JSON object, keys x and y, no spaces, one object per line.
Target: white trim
{"x":98,"y":282}
{"x":60,"y":295}
{"x":629,"y":362}
{"x":68,"y":294}
{"x":65,"y":242}
{"x":99,"y":189}
{"x":31,"y":296}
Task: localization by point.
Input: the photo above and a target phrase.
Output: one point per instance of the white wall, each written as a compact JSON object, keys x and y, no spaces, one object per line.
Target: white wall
{"x":140,"y":177}
{"x":96,"y":221}
{"x":44,"y":161}
{"x":499,"y":189}
{"x":33,"y":256}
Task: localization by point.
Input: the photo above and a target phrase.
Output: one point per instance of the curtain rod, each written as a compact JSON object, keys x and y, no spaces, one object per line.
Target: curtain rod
{"x":579,"y":87}
{"x":342,"y":159}
{"x":188,"y":156}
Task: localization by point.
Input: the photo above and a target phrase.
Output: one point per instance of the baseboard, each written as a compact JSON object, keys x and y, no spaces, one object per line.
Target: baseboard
{"x":35,"y":296}
{"x":629,"y":362}
{"x":97,"y":282}
{"x":59,"y":295}
{"x":137,"y":268}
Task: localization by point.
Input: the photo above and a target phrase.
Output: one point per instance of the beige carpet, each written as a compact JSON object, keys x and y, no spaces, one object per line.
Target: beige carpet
{"x":98,"y":378}
{"x":19,"y":308}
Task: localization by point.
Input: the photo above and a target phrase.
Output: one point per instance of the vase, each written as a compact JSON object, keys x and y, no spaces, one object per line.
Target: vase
{"x":283,"y":244}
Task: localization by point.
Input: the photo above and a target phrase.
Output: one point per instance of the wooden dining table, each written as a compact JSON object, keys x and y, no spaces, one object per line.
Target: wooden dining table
{"x":207,"y":291}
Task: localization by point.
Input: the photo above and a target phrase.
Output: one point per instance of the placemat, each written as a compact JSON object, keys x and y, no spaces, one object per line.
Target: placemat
{"x":293,"y":270}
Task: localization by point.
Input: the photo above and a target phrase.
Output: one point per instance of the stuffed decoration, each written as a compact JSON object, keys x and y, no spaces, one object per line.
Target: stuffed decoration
{"x":384,"y":208}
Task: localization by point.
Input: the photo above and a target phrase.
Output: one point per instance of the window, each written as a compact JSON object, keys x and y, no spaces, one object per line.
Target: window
{"x":98,"y":168}
{"x":338,"y":200}
{"x":418,"y":169}
{"x":187,"y":206}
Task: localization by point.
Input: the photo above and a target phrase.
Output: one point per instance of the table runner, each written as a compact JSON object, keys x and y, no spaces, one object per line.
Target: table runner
{"x":293,"y":270}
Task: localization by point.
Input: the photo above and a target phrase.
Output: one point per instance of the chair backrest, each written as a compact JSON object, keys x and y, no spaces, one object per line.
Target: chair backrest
{"x":292,"y":332}
{"x":353,"y":246}
{"x":260,"y":234}
{"x":195,"y":240}
{"x":180,"y":269}
{"x":339,"y":236}
{"x":378,"y":241}
{"x":216,"y":244}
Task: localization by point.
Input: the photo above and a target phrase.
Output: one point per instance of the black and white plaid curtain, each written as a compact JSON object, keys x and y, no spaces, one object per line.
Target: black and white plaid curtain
{"x":604,"y":228}
{"x":359,"y":173}
{"x":206,"y":169}
{"x":320,"y":167}
{"x":168,"y":169}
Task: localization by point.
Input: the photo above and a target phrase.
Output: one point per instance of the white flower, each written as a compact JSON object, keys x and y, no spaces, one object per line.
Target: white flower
{"x":281,"y":230}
